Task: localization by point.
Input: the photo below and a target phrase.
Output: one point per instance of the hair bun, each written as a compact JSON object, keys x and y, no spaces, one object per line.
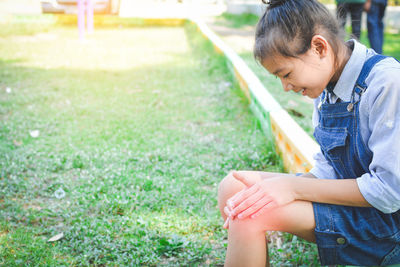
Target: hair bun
{"x":274,"y":3}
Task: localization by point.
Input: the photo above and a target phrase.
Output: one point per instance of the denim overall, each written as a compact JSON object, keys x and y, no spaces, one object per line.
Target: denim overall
{"x":344,"y":234}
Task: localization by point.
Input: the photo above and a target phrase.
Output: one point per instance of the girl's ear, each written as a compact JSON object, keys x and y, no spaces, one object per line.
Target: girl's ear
{"x":319,"y":45}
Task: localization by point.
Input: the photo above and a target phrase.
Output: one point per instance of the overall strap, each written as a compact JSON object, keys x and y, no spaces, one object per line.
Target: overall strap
{"x":366,"y":69}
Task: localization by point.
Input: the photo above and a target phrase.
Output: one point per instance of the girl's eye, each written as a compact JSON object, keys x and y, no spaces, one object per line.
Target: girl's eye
{"x":287,"y":75}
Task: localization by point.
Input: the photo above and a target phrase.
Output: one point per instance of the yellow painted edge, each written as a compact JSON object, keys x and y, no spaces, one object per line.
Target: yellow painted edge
{"x":109,"y":20}
{"x":165,"y":21}
{"x":291,"y":164}
{"x":218,"y":50}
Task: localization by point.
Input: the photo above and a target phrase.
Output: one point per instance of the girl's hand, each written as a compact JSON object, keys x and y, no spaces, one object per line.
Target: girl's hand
{"x":227,"y":212}
{"x":228,"y":208}
{"x":259,"y":197}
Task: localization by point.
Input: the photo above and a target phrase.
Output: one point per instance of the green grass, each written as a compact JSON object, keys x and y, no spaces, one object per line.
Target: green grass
{"x":137,"y":126}
{"x":237,"y":21}
{"x":391,"y":45}
{"x":25,"y":25}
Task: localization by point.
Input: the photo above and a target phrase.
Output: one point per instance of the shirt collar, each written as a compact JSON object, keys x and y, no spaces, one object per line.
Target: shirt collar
{"x":345,"y":84}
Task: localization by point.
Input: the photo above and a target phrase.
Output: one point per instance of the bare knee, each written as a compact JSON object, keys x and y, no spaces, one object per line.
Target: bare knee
{"x":296,"y":218}
{"x":228,"y":187}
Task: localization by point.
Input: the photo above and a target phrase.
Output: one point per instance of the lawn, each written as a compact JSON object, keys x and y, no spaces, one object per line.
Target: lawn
{"x":118,"y":142}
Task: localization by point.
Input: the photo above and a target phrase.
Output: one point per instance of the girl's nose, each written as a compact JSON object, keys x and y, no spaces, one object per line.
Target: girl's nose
{"x":287,"y":86}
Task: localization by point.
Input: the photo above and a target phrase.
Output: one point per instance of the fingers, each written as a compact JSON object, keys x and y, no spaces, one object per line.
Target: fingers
{"x":257,"y":208}
{"x":231,"y":201}
{"x":240,"y":177}
{"x":241,"y":196}
{"x":226,"y":224}
{"x":250,"y":202}
{"x":227,"y":211}
{"x":264,"y":209}
{"x":247,"y":204}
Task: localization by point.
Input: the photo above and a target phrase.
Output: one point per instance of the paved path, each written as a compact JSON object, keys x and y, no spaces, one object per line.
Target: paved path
{"x":240,"y":40}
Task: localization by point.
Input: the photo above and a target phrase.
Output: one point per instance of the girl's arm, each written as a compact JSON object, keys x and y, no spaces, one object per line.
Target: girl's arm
{"x":333,"y":191}
{"x":279,"y":191}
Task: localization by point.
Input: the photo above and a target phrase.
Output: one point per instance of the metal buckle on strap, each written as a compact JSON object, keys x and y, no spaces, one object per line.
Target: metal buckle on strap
{"x":360,"y":89}
{"x":322,"y":99}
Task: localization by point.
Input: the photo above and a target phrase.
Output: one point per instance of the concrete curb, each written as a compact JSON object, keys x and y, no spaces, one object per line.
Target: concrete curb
{"x":292,"y":142}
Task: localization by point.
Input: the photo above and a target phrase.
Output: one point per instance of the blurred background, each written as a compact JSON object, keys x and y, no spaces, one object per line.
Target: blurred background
{"x":168,"y":8}
{"x":112,"y":145}
{"x":115,"y":7}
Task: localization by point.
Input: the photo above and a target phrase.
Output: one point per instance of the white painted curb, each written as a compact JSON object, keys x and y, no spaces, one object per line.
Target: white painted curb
{"x":293,"y":143}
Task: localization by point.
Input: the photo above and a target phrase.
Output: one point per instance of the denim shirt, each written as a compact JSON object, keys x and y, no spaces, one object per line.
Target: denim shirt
{"x":379,"y":127}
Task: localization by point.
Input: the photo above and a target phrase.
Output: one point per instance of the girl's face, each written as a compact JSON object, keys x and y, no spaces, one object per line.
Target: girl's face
{"x":308,"y":74}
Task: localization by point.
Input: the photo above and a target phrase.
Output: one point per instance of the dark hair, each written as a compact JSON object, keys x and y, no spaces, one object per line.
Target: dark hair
{"x":287,"y":27}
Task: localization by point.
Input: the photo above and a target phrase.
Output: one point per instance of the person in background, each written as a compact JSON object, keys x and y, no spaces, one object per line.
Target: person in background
{"x":376,"y":11}
{"x":355,"y":9}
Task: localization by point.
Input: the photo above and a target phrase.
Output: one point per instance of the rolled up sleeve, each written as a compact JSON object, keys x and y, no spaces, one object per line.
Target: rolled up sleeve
{"x":322,"y":169}
{"x":381,"y":186}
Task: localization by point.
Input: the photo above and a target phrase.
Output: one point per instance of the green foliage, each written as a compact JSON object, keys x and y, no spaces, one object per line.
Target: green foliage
{"x":137,"y":135}
{"x":25,"y":25}
{"x":22,"y":248}
{"x":294,"y":251}
{"x":391,"y":44}
{"x":237,"y":20}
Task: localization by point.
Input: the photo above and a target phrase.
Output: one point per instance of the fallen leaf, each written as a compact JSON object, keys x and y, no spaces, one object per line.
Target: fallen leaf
{"x":56,"y":237}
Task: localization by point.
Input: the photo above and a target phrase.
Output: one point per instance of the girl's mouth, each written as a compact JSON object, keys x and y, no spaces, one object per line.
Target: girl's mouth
{"x":303,"y":92}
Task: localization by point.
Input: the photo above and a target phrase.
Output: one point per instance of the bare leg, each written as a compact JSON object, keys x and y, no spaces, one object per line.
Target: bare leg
{"x":230,"y":186}
{"x":246,"y":238}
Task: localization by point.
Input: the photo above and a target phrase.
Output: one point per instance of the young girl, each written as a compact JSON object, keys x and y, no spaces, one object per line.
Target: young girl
{"x":348,"y":204}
